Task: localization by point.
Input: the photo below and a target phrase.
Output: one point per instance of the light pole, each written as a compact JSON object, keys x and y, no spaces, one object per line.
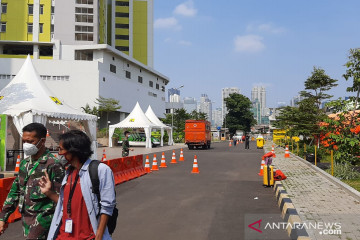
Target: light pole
{"x":172,"y":116}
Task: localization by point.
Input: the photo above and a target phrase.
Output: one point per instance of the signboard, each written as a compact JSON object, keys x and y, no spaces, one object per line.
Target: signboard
{"x":3,"y":133}
{"x":219,"y":128}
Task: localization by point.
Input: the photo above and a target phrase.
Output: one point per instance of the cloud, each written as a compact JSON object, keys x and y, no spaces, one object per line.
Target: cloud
{"x":185,"y":43}
{"x":186,"y":9}
{"x":249,"y":43}
{"x":265,"y":28}
{"x":167,"y":40}
{"x":167,"y":23}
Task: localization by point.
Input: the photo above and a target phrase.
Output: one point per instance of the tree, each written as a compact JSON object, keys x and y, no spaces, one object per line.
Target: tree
{"x":195,"y":115}
{"x":107,"y":105}
{"x":180,"y":116}
{"x":317,"y":84}
{"x":89,"y":110}
{"x":239,"y":115}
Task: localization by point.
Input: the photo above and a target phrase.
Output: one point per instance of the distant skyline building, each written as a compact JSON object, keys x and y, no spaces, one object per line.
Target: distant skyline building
{"x":281,"y":104}
{"x":174,"y":95}
{"x":295,"y":100}
{"x":259,"y":93}
{"x":190,"y":104}
{"x":225,"y":92}
{"x":217,"y":117}
{"x":205,"y":106}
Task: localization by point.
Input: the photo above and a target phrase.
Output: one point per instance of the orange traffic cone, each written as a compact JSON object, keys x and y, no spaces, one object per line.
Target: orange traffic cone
{"x":195,"y":166}
{"x":287,"y":154}
{"x":147,"y":164}
{"x":163,"y":162}
{"x":104,"y":156}
{"x":261,"y":173}
{"x":230,"y":143}
{"x":47,"y":133}
{"x":154,"y":164}
{"x":273,"y":151}
{"x":241,"y":140}
{"x":173,"y":159}
{"x":181,"y":156}
{"x":237,"y":142}
{"x":17,"y":167}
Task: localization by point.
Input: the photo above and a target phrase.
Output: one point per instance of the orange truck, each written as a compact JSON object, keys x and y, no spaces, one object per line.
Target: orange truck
{"x":197,"y":134}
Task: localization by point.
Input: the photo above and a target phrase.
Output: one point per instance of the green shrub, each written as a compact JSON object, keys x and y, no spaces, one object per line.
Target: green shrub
{"x":344,"y":171}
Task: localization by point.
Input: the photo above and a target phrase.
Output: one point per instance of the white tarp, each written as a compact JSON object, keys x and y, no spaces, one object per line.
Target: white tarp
{"x":155,"y":120}
{"x":136,"y":119}
{"x":27,"y":99}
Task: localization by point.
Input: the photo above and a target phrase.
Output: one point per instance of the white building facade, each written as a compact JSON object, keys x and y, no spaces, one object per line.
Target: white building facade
{"x":225,"y":92}
{"x":205,"y":106}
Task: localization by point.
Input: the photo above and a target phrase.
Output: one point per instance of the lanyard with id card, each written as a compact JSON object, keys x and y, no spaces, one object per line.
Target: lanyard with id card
{"x":69,"y":221}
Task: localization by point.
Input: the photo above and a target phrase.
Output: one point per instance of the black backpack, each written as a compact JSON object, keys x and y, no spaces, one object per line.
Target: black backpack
{"x":94,"y":176}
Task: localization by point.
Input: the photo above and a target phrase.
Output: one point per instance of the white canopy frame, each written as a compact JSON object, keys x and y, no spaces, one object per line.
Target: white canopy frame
{"x":27,"y":99}
{"x":136,"y":119}
{"x":160,"y":125}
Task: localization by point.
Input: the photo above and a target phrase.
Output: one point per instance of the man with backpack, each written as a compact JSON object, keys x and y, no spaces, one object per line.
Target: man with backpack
{"x":82,"y":212}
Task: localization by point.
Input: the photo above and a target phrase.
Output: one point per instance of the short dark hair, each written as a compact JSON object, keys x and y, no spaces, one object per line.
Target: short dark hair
{"x":126,"y":132}
{"x":39,"y":128}
{"x":77,"y":143}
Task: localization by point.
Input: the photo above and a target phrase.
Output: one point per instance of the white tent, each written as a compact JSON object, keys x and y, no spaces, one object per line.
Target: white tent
{"x":136,"y":119}
{"x":27,"y":99}
{"x":155,"y":120}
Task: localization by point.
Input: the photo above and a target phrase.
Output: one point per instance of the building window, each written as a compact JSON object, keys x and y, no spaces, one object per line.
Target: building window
{"x":122,"y":37}
{"x":112,"y":68}
{"x":52,"y":28}
{"x":151,"y":84}
{"x":83,"y":55}
{"x":128,"y":74}
{"x":84,"y":10}
{"x":30,"y":9}
{"x":3,"y":27}
{"x":84,"y":28}
{"x":84,"y":18}
{"x":157,"y":86}
{"x":121,"y":3}
{"x":85,"y":2}
{"x":41,"y":28}
{"x":41,"y":9}
{"x":120,"y":25}
{"x":4,"y":8}
{"x":120,"y":14}
{"x":84,"y":37}
{"x":122,"y":48}
{"x":30,"y":28}
{"x":163,"y":88}
{"x":52,"y":9}
{"x":140,"y":79}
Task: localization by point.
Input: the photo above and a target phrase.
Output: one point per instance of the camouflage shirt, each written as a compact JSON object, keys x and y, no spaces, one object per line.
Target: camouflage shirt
{"x":36,"y":208}
{"x":125,"y":148}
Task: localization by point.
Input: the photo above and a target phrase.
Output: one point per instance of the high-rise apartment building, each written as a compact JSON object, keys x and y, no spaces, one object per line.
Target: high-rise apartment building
{"x":205,"y":106}
{"x":217,"y":117}
{"x":190,"y":104}
{"x":225,"y":92}
{"x":103,"y":46}
{"x":259,"y":93}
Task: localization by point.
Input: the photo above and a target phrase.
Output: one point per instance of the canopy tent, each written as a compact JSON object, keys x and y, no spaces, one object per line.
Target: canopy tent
{"x":154,"y":119}
{"x":27,"y":99}
{"x":136,"y":119}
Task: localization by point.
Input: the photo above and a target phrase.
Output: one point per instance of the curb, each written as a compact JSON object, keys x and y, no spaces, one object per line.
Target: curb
{"x":289,"y":213}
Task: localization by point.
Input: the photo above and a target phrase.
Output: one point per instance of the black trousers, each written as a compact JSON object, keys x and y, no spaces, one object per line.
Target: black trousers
{"x":246,"y":145}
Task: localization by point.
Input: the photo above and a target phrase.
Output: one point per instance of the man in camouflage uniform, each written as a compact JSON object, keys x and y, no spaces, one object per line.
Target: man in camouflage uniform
{"x":36,"y":208}
{"x":125,"y":145}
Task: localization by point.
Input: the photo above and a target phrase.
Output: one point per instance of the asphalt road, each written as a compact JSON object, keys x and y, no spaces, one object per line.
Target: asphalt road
{"x":174,"y":204}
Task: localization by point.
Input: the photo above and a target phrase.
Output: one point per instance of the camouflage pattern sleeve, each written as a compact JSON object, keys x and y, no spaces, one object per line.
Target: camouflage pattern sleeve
{"x":56,"y":175}
{"x":12,"y":201}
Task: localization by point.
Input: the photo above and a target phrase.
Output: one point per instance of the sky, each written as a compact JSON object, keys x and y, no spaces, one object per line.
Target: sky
{"x":207,"y":45}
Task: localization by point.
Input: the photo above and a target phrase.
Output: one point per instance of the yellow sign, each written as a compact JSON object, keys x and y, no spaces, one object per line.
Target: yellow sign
{"x":1,"y":97}
{"x":132,"y":120}
{"x":56,"y":100}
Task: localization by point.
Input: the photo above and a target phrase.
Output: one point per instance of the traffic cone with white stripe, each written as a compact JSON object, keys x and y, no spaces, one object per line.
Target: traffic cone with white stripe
{"x":273,"y":151}
{"x":195,"y":166}
{"x":181,"y":159}
{"x":154,"y":164}
{"x":261,"y":173}
{"x":173,"y":159}
{"x":229,"y":143}
{"x":147,"y":165}
{"x":47,"y":133}
{"x":287,"y":154}
{"x":163,"y":162}
{"x":104,"y":156}
{"x":17,"y":167}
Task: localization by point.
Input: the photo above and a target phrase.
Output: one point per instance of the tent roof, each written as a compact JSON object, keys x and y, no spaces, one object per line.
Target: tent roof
{"x":27,"y":93}
{"x":154,"y":119}
{"x":136,"y":119}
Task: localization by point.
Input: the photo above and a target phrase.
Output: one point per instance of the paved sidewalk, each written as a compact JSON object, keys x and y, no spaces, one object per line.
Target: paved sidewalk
{"x":318,"y":199}
{"x":116,"y":152}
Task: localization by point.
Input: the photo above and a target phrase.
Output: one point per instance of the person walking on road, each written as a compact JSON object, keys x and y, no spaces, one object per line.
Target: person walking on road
{"x":247,"y":141}
{"x":79,"y":214}
{"x":125,"y":145}
{"x":36,"y":207}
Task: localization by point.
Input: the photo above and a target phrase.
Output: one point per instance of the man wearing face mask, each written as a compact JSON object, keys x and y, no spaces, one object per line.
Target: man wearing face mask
{"x":36,"y":208}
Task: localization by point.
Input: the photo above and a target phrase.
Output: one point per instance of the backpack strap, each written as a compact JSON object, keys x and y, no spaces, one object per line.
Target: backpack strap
{"x":95,"y":182}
